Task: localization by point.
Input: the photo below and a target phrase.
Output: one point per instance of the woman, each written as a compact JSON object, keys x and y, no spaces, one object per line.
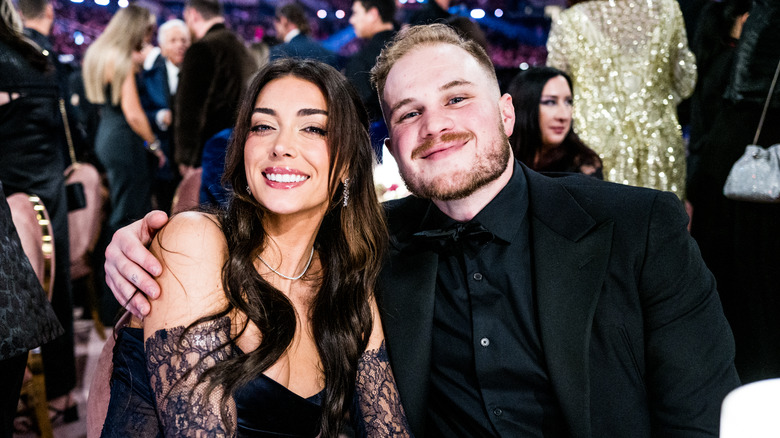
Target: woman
{"x":277,"y":289}
{"x":124,"y":143}
{"x":31,"y":162}
{"x":631,"y":66}
{"x":543,"y":137}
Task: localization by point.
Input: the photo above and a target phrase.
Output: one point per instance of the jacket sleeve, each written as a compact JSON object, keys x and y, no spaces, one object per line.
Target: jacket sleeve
{"x":195,"y":76}
{"x":689,"y":345}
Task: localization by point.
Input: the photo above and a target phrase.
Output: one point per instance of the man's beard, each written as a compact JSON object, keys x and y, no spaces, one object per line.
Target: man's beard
{"x":460,"y":184}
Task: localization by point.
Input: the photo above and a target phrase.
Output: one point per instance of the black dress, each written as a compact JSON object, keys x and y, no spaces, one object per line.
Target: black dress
{"x":129,"y":168}
{"x":264,"y":408}
{"x":155,"y":391}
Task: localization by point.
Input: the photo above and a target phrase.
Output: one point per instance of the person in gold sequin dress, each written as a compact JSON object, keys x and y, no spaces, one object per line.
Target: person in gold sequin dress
{"x":631,"y":66}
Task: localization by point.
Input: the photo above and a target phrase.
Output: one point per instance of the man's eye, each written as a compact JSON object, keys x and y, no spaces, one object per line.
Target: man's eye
{"x":457,"y":100}
{"x":409,"y":115}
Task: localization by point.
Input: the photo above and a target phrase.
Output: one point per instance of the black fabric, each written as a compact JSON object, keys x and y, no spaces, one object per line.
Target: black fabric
{"x":359,"y":72}
{"x":12,"y":370}
{"x":268,"y":409}
{"x":265,"y":408}
{"x":489,"y":378}
{"x":304,"y":47}
{"x":27,"y":317}
{"x":212,"y":77}
{"x":129,"y":167}
{"x":31,"y":162}
{"x":430,"y":12}
{"x":757,"y":55}
{"x":131,"y":408}
{"x":631,"y":328}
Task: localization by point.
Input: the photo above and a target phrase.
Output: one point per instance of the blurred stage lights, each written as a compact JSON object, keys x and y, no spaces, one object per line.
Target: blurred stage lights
{"x":477,"y":13}
{"x":498,"y":13}
{"x":340,"y":14}
{"x":322,"y":13}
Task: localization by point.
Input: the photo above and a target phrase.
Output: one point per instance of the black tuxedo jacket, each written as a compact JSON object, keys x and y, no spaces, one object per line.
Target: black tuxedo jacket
{"x":632,"y":329}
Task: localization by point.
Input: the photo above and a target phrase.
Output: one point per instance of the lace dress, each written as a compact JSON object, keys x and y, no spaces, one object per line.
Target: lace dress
{"x":631,"y":67}
{"x":146,"y":402}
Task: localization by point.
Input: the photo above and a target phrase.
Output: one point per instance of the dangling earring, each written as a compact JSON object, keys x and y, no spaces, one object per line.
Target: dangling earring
{"x":346,"y":191}
{"x":248,"y":190}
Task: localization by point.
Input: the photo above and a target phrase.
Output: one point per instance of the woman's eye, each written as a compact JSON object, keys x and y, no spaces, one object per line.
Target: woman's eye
{"x":315,"y":130}
{"x":570,"y":102}
{"x":548,"y":102}
{"x":260,"y":128}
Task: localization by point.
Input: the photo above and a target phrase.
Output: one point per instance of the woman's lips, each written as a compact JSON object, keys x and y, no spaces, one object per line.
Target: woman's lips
{"x":284,"y":178}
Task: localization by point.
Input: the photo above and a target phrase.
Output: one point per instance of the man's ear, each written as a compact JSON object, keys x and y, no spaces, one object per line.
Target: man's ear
{"x":507,"y":111}
{"x":373,"y":12}
{"x":49,"y":12}
{"x":389,"y":145}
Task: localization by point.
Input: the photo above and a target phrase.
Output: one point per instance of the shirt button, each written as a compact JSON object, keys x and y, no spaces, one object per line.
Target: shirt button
{"x":477,"y":276}
{"x":498,"y":412}
{"x":484,"y":342}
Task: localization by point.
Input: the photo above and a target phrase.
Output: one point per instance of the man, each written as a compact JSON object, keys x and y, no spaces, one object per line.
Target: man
{"x":157,"y":90}
{"x":515,"y":304}
{"x":213,"y":74}
{"x":292,"y":27}
{"x":372,"y":21}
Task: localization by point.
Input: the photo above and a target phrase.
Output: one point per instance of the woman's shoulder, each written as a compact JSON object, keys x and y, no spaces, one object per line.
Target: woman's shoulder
{"x":192,"y":251}
{"x":191,"y":230}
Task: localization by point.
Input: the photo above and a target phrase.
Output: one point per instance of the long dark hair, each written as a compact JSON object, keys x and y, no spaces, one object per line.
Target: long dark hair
{"x":350,"y":244}
{"x":526,"y":140}
{"x":713,"y":31}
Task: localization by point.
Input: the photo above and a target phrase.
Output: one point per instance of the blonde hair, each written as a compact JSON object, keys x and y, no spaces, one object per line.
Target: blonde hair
{"x":10,"y":17}
{"x":415,"y":37}
{"x":113,"y":49}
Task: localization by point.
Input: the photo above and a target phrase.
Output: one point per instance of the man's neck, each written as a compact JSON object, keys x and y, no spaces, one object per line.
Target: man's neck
{"x":206,"y":25}
{"x":380,"y":27}
{"x":41,"y":26}
{"x":463,"y":210}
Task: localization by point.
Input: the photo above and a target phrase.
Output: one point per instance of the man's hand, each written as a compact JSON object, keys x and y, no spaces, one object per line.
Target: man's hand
{"x":129,"y":264}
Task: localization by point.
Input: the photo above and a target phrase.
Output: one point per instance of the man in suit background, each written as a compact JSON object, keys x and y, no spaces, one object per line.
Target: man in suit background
{"x":157,"y":90}
{"x":515,"y":304}
{"x":292,"y":27}
{"x":373,"y":22}
{"x":213,"y":75}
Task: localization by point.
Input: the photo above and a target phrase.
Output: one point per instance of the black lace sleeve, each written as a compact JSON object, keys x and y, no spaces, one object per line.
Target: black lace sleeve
{"x":175,"y":362}
{"x":380,"y":413}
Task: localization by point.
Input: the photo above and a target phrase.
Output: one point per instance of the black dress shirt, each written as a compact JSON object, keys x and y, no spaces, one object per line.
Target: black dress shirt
{"x":488,"y":376}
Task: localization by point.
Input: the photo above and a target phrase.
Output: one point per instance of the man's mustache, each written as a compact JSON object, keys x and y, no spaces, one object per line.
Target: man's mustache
{"x":448,"y":137}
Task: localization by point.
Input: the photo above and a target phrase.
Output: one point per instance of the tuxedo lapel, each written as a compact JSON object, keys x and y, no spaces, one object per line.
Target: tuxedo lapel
{"x":570,"y":258}
{"x":407,"y":284}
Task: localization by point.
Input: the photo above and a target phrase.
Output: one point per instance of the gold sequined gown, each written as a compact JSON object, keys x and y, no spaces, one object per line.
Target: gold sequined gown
{"x":631,"y":67}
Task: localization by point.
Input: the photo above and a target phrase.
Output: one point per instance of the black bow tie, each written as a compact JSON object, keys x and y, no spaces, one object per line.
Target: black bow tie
{"x":469,"y":232}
